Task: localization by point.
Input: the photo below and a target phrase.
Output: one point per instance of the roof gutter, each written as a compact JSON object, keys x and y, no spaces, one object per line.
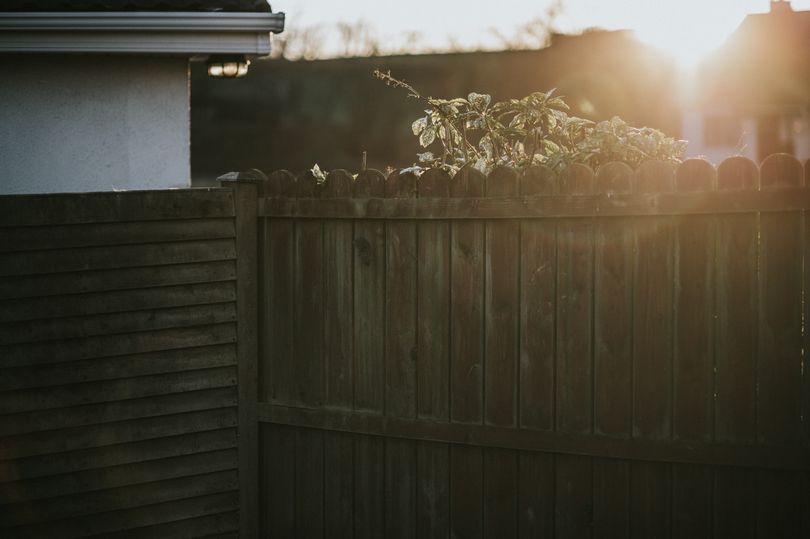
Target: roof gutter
{"x":186,"y":33}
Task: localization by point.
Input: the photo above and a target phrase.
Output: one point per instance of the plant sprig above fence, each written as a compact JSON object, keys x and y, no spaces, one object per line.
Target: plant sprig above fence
{"x":519,"y":133}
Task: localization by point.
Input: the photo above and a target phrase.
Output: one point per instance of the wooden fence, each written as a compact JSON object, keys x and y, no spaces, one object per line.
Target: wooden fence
{"x":592,"y":355}
{"x":118,"y":377}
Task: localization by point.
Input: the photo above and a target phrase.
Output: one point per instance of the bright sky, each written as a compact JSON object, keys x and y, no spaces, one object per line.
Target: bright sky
{"x":685,"y":28}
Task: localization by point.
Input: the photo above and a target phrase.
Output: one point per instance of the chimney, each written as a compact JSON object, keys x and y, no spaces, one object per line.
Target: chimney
{"x":780,"y":6}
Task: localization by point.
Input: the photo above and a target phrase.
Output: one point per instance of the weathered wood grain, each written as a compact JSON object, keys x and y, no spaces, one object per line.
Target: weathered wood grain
{"x":401,"y":274}
{"x":55,"y":284}
{"x":117,"y":256}
{"x":338,"y":270}
{"x":613,"y":354}
{"x":73,"y":439}
{"x":67,"y":209}
{"x":433,"y":305}
{"x":538,"y":302}
{"x":693,"y":363}
{"x":369,"y":301}
{"x":37,"y":238}
{"x":501,"y":307}
{"x":467,"y":306}
{"x":117,"y":454}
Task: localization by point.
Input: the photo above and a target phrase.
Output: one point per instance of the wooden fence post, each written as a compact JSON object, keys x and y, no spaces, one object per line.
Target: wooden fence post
{"x":246,"y":189}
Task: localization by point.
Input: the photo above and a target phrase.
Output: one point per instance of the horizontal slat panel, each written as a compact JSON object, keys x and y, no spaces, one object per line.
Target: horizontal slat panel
{"x":117,"y":476}
{"x":117,"y":367}
{"x":57,"y":284}
{"x":118,"y":498}
{"x":185,"y":529}
{"x":150,"y":515}
{"x":106,"y":412}
{"x":126,"y":322}
{"x":41,"y":443}
{"x":793,"y":458}
{"x":12,"y":402}
{"x":124,"y":256}
{"x":602,"y":205}
{"x":75,"y":208}
{"x":17,"y":355}
{"x":72,"y":236}
{"x":114,"y":455}
{"x":17,"y":310}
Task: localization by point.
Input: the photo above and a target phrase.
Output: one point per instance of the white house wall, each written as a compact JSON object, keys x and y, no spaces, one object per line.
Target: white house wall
{"x":93,"y":123}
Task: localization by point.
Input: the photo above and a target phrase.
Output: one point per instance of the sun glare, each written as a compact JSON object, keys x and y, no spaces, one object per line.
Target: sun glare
{"x":686,"y":37}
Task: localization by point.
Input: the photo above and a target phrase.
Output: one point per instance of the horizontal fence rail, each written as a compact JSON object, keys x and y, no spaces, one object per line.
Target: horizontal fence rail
{"x":586,"y":354}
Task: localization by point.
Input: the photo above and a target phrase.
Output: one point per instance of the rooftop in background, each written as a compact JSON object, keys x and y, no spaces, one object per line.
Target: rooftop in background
{"x":764,"y":65}
{"x":41,"y":6}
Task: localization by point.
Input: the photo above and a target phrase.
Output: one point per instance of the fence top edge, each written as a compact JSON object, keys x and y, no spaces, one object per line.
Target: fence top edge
{"x":693,"y":174}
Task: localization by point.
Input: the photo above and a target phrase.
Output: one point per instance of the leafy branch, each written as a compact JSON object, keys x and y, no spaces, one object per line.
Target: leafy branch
{"x":534,"y":130}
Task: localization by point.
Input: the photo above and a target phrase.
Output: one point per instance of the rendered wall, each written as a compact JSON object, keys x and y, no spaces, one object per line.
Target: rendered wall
{"x":93,"y":123}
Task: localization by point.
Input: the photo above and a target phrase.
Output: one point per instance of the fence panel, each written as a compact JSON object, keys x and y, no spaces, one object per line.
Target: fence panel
{"x":569,"y":356}
{"x":118,"y":364}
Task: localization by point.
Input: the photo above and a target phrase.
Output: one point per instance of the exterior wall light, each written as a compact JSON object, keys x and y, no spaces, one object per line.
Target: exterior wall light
{"x":227,"y":65}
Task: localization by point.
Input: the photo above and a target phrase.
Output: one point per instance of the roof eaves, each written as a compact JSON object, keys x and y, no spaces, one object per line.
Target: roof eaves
{"x":189,"y":33}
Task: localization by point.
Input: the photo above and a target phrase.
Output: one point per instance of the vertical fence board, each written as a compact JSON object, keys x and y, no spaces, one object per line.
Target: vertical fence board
{"x":400,"y":303}
{"x":466,"y":306}
{"x":309,"y":302}
{"x":278,"y":481}
{"x":694,"y":308}
{"x":338,"y":484}
{"x":337,"y":289}
{"x":573,"y":491}
{"x":466,"y":491}
{"x":502,"y":250}
{"x":500,"y":361}
{"x":575,"y":311}
{"x":432,"y":490}
{"x":652,"y":324}
{"x":535,"y":494}
{"x":735,"y":503}
{"x":693,"y":397}
{"x":245,"y":200}
{"x":400,"y":488}
{"x":651,"y":483}
{"x":500,"y":493}
{"x":651,"y":500}
{"x":779,"y":366}
{"x":780,"y":348}
{"x":779,"y":514}
{"x":611,"y":493}
{"x":692,"y":491}
{"x":735,"y":351}
{"x":369,"y":300}
{"x":433,"y":303}
{"x":736,"y":311}
{"x":369,"y":487}
{"x":574,"y":370}
{"x":309,"y":477}
{"x":538,"y":266}
{"x":613,"y":355}
{"x":276,"y":367}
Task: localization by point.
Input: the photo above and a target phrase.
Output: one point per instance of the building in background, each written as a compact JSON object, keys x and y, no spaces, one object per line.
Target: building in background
{"x":752,"y":96}
{"x":295,"y":114}
{"x":95,"y":94}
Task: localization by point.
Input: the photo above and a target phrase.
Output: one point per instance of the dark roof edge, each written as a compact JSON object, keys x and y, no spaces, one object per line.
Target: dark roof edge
{"x":90,"y":6}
